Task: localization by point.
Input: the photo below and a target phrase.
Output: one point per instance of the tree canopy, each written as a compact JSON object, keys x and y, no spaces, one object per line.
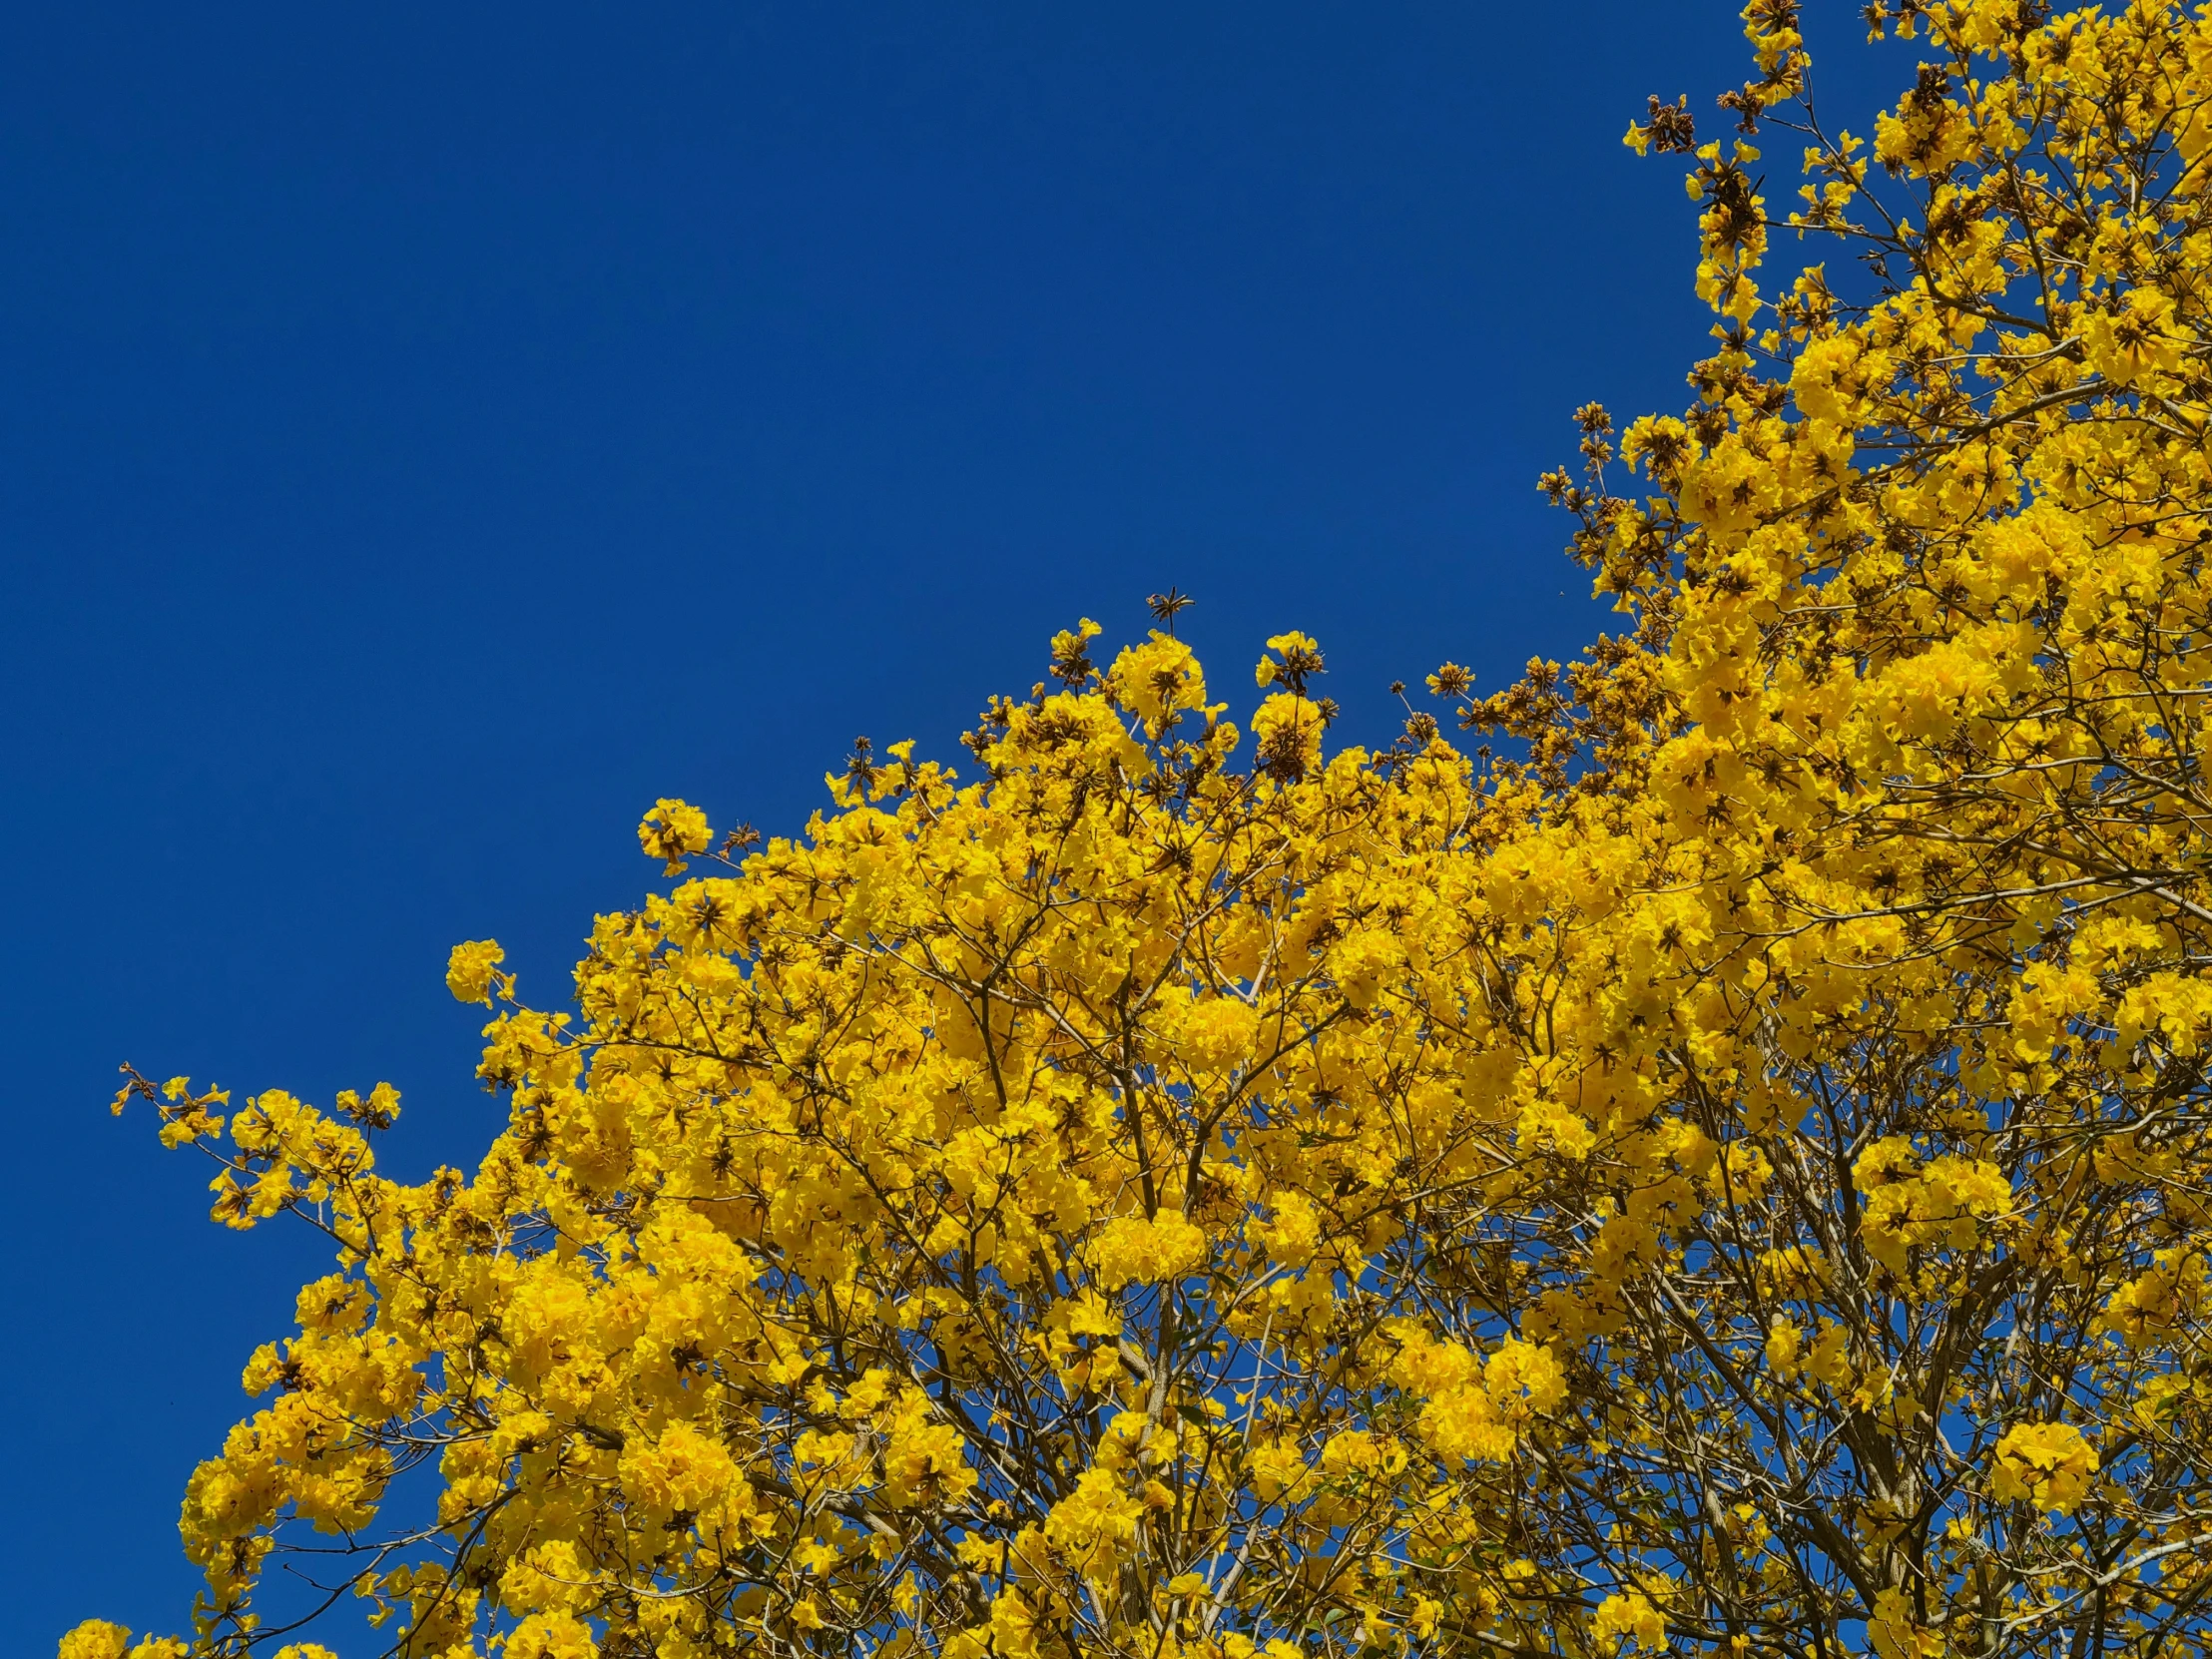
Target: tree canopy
{"x":1721,"y":1165}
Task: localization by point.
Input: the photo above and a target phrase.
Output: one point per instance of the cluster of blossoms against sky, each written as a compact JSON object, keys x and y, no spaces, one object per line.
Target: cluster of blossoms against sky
{"x":1718,"y":1164}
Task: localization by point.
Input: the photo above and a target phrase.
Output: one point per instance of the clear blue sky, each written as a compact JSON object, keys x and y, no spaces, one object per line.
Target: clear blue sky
{"x":433,"y":434}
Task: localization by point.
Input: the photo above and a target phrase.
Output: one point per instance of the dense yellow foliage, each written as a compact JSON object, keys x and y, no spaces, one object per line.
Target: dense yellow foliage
{"x":1732,"y":1176}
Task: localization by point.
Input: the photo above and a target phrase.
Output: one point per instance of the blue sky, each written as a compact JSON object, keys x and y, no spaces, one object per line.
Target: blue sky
{"x":429,"y":434}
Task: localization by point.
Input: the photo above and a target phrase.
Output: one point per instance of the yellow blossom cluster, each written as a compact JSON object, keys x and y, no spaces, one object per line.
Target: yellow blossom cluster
{"x":2046,"y":1464}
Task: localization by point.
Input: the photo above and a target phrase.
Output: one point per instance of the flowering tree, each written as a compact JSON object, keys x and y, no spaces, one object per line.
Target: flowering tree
{"x":1728,"y":1171}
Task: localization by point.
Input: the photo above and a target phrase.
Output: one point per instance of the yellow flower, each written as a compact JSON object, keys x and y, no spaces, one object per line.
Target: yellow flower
{"x":2047,"y":1464}
{"x":95,"y":1639}
{"x":470,"y":970}
{"x":1157,"y":681}
{"x":1784,"y":1340}
{"x":1630,"y":1618}
{"x":1219,"y":1033}
{"x":1134,"y":1249}
{"x":1095,"y":1524}
{"x":1892,"y":1634}
{"x":552,"y":1636}
{"x":1523,"y":1380}
{"x":671,"y":830}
